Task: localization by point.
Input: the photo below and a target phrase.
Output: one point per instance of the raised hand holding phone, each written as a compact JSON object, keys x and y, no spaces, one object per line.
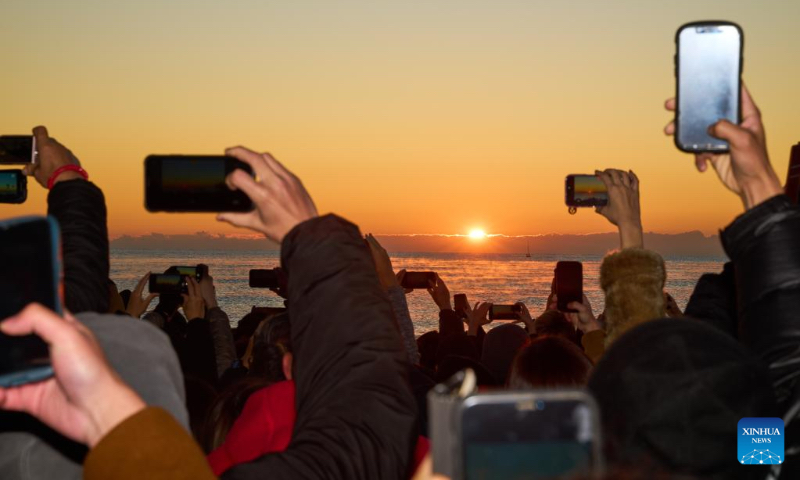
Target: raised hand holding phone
{"x":52,"y":156}
{"x":440,"y":294}
{"x":477,"y":317}
{"x":582,"y":317}
{"x":193,"y":302}
{"x":138,"y":304}
{"x":746,"y":170}
{"x":280,"y":198}
{"x":623,"y":206}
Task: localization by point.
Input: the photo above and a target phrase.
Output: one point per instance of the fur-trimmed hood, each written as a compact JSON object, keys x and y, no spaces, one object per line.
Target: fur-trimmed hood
{"x":633,"y":282}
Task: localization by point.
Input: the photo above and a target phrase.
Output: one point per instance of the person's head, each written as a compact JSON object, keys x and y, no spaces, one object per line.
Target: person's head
{"x":245,"y":329}
{"x":226,"y":409}
{"x":452,"y":364}
{"x":272,"y":350}
{"x":549,"y":362}
{"x":633,"y":282}
{"x":670,"y":388}
{"x":427,"y":344}
{"x":500,"y":346}
{"x":168,"y":304}
{"x":553,"y":323}
{"x":460,"y":345}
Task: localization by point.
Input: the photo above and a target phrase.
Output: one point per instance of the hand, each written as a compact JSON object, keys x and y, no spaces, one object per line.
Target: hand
{"x":138,"y":305}
{"x":208,"y":291}
{"x":525,"y":317}
{"x":86,"y":399}
{"x":193,"y":303}
{"x":283,"y":284}
{"x":400,"y":276}
{"x":51,"y":156}
{"x":672,"y":308}
{"x":623,"y":206}
{"x":746,"y":170}
{"x":383,"y":264}
{"x":584,"y":320}
{"x":281,"y":202}
{"x":476,"y":317}
{"x":440,"y":294}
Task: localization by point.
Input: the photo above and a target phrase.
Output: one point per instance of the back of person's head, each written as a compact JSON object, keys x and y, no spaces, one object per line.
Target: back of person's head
{"x":553,"y":323}
{"x":549,"y":362}
{"x":671,"y":392}
{"x":271,"y":344}
{"x":500,"y":346}
{"x":226,"y":409}
{"x":633,"y":283}
{"x":427,"y":344}
{"x":245,"y":329}
{"x":461,"y":345}
{"x":453,"y":364}
{"x":168,"y":304}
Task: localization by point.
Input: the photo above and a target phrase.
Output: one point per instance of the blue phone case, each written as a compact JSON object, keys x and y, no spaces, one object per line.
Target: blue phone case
{"x":37,"y":373}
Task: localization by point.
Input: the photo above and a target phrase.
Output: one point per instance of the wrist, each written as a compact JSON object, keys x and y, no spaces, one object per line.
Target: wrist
{"x":64,"y":173}
{"x":630,"y":235}
{"x":117,"y":405}
{"x":760,"y":190}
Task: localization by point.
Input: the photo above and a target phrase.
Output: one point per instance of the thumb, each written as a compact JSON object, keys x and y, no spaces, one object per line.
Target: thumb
{"x":244,"y":220}
{"x":733,"y":134}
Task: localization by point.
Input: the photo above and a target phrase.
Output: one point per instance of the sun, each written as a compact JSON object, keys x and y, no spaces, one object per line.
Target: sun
{"x":477,"y":234}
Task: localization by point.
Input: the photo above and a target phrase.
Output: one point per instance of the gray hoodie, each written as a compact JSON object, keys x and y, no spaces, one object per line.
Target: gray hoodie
{"x":143,"y":357}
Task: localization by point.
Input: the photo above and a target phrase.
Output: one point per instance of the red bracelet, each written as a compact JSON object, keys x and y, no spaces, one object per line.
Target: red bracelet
{"x":66,"y":168}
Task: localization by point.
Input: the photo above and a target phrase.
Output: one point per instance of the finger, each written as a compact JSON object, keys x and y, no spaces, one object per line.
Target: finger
{"x":577,"y":306}
{"x":41,"y":135}
{"x":240,"y":180}
{"x":749,"y":107}
{"x":701,"y":161}
{"x":737,"y":136}
{"x":277,"y":166}
{"x":599,"y":210}
{"x":140,"y":286}
{"x":669,"y":129}
{"x":604,"y":177}
{"x":37,"y":320}
{"x":634,"y":180}
{"x":255,"y":160}
{"x":24,"y":398}
{"x":615,"y":176}
{"x":244,"y":220}
{"x":185,"y":299}
{"x":670,"y":104}
{"x":625,"y":179}
{"x":149,"y":299}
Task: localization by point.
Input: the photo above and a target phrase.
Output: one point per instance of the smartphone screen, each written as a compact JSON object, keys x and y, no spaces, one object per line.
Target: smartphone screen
{"x":168,"y":283}
{"x":13,"y":186}
{"x":530,"y":435}
{"x":31,"y":273}
{"x":460,"y":304}
{"x":569,"y":284}
{"x":184,"y":183}
{"x":16,"y":149}
{"x":503,"y":312}
{"x":260,"y":278}
{"x":417,"y":280}
{"x":708,"y":67}
{"x":195,"y":271}
{"x":585,"y":191}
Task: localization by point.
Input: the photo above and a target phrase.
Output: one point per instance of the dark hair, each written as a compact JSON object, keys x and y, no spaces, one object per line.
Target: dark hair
{"x":453,"y":364}
{"x":549,"y":362}
{"x":226,"y":408}
{"x":461,"y":345}
{"x":500,"y":347}
{"x":245,"y":329}
{"x":427,"y":344}
{"x":553,"y":323}
{"x":269,"y":347}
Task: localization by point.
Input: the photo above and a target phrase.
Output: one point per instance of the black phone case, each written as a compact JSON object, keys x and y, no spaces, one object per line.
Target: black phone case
{"x":676,"y":61}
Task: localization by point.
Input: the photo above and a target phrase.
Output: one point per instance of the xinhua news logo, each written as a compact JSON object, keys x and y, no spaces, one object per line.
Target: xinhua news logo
{"x":760,"y":441}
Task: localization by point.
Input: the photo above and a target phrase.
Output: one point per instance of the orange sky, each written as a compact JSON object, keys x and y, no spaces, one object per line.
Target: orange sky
{"x":405,"y":117}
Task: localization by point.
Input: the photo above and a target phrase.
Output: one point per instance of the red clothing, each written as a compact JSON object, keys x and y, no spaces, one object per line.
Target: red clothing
{"x":265,"y":426}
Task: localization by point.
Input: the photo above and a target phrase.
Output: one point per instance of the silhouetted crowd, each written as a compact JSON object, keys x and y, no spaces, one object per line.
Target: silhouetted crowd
{"x":336,"y":384}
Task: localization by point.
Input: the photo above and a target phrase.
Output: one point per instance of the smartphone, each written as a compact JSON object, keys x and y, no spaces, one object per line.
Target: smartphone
{"x":536,"y":434}
{"x":792,"y":188}
{"x":193,"y":183}
{"x":198,"y":271}
{"x":31,"y":273}
{"x":569,"y":284}
{"x":260,"y":278}
{"x":13,"y":186}
{"x":460,"y":304}
{"x":17,"y":149}
{"x":585,"y":191}
{"x":504,"y":312}
{"x":173,"y":283}
{"x":708,"y":67}
{"x":416,"y":280}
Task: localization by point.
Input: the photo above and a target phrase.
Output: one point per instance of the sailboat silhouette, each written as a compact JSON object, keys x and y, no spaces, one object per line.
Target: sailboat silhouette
{"x":528,"y":251}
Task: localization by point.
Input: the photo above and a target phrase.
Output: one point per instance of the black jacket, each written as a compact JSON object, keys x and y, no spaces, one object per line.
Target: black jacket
{"x":355,"y":410}
{"x":80,"y":209}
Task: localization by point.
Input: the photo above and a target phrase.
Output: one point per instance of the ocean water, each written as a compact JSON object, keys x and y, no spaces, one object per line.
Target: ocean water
{"x":499,"y":278}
